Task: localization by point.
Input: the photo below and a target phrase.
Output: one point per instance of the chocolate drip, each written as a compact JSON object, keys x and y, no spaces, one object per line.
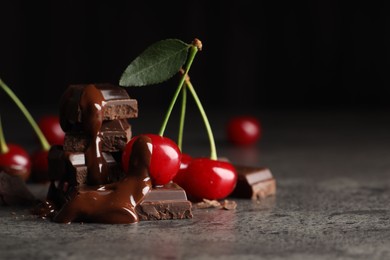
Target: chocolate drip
{"x":47,"y":209}
{"x":92,"y":105}
{"x":115,"y":202}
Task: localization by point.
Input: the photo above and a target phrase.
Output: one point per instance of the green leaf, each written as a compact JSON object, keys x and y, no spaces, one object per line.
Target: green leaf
{"x":156,"y":64}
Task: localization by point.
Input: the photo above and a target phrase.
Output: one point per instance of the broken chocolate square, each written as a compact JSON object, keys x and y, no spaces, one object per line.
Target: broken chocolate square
{"x":71,"y":167}
{"x":165,"y":202}
{"x":254,"y":183}
{"x":114,"y":136}
{"x":116,"y":104}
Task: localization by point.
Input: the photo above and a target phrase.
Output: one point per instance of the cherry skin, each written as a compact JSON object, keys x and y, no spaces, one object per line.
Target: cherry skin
{"x":209,"y":179}
{"x":180,"y":177}
{"x":51,"y":129}
{"x":16,"y":162}
{"x":243,"y":130}
{"x":164,"y":162}
{"x":40,"y":166}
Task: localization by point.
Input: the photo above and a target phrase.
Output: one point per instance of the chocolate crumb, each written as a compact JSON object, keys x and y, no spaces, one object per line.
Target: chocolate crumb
{"x":226,"y":204}
{"x":229,"y":204}
{"x":205,"y":204}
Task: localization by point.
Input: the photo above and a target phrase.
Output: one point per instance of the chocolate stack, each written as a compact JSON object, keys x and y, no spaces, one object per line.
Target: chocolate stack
{"x":88,"y":183}
{"x":95,"y":121}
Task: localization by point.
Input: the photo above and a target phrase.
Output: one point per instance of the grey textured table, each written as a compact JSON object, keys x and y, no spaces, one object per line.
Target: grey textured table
{"x":333,"y":188}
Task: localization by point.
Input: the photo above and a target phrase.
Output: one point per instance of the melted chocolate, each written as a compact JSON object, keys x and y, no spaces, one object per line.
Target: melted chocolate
{"x":115,"y":202}
{"x":92,"y":105}
{"x":86,"y":104}
{"x":97,"y":199}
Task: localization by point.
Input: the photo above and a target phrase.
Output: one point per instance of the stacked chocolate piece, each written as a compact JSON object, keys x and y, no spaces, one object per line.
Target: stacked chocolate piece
{"x":87,"y":171}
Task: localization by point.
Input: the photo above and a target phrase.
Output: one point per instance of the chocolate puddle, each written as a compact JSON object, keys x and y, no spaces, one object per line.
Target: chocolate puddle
{"x":98,"y":200}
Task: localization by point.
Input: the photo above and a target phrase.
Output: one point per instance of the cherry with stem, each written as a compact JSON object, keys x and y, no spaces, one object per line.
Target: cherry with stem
{"x":44,"y":143}
{"x":39,"y":158}
{"x":195,"y":47}
{"x":206,"y":178}
{"x":166,"y":155}
{"x":203,"y":178}
{"x":14,"y":160}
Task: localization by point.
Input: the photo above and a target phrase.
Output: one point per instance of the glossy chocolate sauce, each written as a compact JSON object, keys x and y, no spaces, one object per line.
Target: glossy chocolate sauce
{"x":91,"y":105}
{"x":97,"y":200}
{"x":86,"y":104}
{"x":112,"y":203}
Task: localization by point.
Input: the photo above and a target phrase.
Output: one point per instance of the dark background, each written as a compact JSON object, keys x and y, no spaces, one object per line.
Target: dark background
{"x":257,"y":54}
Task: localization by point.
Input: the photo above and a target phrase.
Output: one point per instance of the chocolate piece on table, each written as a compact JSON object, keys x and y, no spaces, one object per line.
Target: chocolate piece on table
{"x":13,"y":191}
{"x":117,"y":104}
{"x":165,"y":202}
{"x":114,"y":136}
{"x":254,"y":183}
{"x":70,"y":166}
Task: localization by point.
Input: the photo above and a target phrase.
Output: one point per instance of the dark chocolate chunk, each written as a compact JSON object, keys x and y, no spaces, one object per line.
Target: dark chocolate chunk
{"x":60,"y":162}
{"x":165,"y":202}
{"x":116,"y":104}
{"x":114,"y":136}
{"x":13,"y":191}
{"x":254,"y":183}
{"x":56,"y":162}
{"x":70,"y":167}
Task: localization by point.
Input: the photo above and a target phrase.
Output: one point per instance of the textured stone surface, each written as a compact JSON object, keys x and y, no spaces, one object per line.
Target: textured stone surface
{"x":332,"y":202}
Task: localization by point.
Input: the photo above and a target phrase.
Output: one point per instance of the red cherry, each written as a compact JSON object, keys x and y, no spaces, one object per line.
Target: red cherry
{"x":209,"y":179}
{"x":164,"y":162}
{"x":40,"y":166}
{"x":180,"y":177}
{"x":51,"y":129}
{"x":243,"y":130}
{"x":16,"y":161}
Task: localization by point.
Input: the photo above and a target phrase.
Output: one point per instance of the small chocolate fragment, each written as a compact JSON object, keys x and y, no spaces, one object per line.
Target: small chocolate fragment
{"x":114,"y":136}
{"x":229,"y":204}
{"x":226,"y":204}
{"x":166,"y":202}
{"x":56,"y":162}
{"x":116,"y":104}
{"x":254,"y":183}
{"x":206,"y":204}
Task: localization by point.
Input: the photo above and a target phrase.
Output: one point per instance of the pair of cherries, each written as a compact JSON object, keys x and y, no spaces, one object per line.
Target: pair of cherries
{"x":18,"y":162}
{"x":199,"y":177}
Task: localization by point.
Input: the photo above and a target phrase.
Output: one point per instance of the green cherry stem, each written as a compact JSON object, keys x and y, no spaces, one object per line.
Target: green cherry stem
{"x":45,"y":144}
{"x":193,"y":50}
{"x":182,"y":117}
{"x":3,"y":145}
{"x":213,"y":149}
